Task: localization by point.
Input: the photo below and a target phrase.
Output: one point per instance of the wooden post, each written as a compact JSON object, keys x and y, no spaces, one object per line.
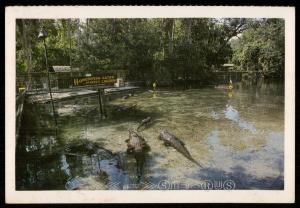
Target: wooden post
{"x":100,"y":102}
{"x":103,"y":103}
{"x":59,"y":172}
{"x":49,"y":83}
{"x":92,"y":163}
{"x":98,"y":161}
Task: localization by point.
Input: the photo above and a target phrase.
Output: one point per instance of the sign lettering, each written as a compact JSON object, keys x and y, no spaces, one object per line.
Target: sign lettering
{"x":95,"y":80}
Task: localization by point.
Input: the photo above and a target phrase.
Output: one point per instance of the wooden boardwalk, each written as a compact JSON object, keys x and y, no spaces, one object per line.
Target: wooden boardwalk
{"x":119,"y":89}
{"x":75,"y":93}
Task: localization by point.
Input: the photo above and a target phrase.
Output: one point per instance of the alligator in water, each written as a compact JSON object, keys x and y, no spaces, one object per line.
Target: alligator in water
{"x":123,"y":108}
{"x":171,"y":140}
{"x":94,"y":160}
{"x":144,"y":122}
{"x":137,"y":146}
{"x":127,"y":96}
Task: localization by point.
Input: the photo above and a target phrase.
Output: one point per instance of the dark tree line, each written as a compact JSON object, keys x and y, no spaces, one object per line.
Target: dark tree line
{"x":261,"y":48}
{"x":165,"y":50}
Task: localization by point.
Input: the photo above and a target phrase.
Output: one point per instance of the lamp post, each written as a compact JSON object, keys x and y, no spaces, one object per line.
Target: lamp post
{"x":43,"y":36}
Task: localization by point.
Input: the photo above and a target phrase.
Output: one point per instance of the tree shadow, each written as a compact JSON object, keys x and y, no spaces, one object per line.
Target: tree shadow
{"x":241,"y":179}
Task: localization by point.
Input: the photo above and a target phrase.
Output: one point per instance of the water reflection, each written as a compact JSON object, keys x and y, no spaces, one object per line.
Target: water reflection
{"x":64,"y":166}
{"x":237,"y":135}
{"x":249,"y":167}
{"x":232,"y":114}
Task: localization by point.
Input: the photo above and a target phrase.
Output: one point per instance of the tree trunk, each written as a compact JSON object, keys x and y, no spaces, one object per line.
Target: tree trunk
{"x":171,"y":35}
{"x":78,"y":38}
{"x":188,"y":30}
{"x":69,"y":37}
{"x":28,"y":54}
{"x":87,"y":31}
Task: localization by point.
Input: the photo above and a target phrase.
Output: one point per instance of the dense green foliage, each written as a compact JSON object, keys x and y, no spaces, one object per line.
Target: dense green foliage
{"x":165,"y":50}
{"x":261,"y":48}
{"x":57,"y":41}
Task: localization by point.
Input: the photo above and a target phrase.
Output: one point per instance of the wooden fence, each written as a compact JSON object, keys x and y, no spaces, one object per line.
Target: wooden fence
{"x":19,"y":110}
{"x":38,"y":81}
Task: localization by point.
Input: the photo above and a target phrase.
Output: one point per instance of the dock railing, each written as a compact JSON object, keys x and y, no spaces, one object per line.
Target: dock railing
{"x":36,"y":82}
{"x":19,"y":110}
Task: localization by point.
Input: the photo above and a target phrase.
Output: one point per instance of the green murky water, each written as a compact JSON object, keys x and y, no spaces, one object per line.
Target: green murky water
{"x":238,"y":137}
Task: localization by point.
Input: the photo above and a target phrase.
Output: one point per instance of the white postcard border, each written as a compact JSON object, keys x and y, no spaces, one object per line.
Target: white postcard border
{"x":186,"y":196}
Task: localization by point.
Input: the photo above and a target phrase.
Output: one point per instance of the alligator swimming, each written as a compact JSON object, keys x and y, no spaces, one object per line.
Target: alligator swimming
{"x":144,"y":122}
{"x":171,"y":140}
{"x":107,"y":166}
{"x":127,"y":96}
{"x":123,"y":108}
{"x":137,"y":146}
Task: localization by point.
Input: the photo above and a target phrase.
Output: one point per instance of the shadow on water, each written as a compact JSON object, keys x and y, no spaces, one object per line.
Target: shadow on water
{"x":81,"y":113}
{"x":236,"y":166}
{"x":69,"y":168}
{"x":239,"y":179}
{"x":240,"y":136}
{"x":46,"y":161}
{"x":152,"y":174}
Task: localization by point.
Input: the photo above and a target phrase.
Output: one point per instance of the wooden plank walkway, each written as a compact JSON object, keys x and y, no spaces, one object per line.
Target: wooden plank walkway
{"x":119,"y":89}
{"x":64,"y":95}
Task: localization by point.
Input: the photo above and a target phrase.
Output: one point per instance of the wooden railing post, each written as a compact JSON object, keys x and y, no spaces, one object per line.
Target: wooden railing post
{"x":101,"y":100}
{"x":103,"y":103}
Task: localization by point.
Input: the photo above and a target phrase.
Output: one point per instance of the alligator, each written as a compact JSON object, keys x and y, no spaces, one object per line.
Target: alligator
{"x":144,"y":122}
{"x":107,"y":166}
{"x":127,"y":96}
{"x":171,"y":140}
{"x":123,"y":108}
{"x":137,"y":146}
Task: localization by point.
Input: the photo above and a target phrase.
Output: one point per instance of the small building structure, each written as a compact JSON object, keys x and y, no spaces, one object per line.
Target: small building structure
{"x":228,"y":66}
{"x":63,"y":76}
{"x":61,"y":68}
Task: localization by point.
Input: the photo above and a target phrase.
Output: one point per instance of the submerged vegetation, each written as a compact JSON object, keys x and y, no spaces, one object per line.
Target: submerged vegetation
{"x":154,"y":49}
{"x":236,"y":137}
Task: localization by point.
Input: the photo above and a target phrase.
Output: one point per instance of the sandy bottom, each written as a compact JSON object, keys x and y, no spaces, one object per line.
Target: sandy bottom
{"x":237,"y":136}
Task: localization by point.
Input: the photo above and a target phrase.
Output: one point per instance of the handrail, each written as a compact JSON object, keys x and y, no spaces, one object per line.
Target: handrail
{"x":73,"y":72}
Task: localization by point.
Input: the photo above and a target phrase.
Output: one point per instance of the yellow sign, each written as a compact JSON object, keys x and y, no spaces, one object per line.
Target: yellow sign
{"x":99,"y":80}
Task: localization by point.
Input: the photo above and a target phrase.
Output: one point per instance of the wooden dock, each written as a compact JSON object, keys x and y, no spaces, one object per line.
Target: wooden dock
{"x":75,"y":93}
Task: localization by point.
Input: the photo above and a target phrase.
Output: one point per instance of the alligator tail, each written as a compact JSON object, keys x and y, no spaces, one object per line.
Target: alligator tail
{"x":196,"y":162}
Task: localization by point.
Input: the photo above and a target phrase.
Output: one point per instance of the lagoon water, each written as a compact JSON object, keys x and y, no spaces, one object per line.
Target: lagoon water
{"x":236,"y":135}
